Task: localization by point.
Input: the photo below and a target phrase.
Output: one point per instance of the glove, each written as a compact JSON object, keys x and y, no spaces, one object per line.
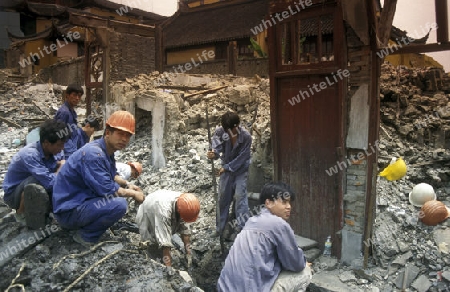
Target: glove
{"x":189,"y":260}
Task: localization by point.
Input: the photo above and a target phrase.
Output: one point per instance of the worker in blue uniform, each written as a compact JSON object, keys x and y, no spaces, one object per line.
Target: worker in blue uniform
{"x":29,"y":181}
{"x":86,"y":197}
{"x":67,"y":114}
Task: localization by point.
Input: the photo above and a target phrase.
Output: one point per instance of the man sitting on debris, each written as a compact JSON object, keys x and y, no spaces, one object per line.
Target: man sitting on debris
{"x":88,"y":127}
{"x":85,"y":196}
{"x":265,"y":255}
{"x":67,"y":114}
{"x":165,"y":213}
{"x":233,"y":142}
{"x":31,"y":175}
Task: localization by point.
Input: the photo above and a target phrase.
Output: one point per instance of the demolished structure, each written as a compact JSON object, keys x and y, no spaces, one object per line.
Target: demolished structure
{"x":316,"y":128}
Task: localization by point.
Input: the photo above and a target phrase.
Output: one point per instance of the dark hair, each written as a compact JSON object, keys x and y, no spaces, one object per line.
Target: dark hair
{"x":74,"y":88}
{"x":92,"y":121}
{"x":229,"y":120}
{"x":52,"y":131}
{"x":275,"y":190}
{"x":111,"y":129}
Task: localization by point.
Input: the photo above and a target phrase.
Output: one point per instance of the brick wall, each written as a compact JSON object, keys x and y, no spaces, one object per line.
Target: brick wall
{"x":64,"y":73}
{"x":245,"y":68}
{"x":131,"y":55}
{"x":354,"y":198}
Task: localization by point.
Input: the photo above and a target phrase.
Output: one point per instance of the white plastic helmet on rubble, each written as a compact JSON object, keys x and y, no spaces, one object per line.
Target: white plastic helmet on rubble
{"x":421,"y":194}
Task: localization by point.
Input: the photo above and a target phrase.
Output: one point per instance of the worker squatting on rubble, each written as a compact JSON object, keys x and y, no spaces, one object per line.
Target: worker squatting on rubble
{"x":28,"y":183}
{"x":265,"y":255}
{"x":67,"y":114}
{"x":165,"y":213}
{"x":232,"y":144}
{"x":86,"y":198}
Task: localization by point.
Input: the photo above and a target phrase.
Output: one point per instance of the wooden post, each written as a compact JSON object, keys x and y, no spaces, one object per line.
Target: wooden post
{"x":232,"y":57}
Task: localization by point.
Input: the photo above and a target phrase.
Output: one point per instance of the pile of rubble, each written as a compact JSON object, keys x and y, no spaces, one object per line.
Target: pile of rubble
{"x":186,"y":169}
{"x":405,"y":252}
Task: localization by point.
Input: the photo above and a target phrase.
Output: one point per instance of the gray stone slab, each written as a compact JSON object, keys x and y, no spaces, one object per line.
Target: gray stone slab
{"x":305,"y":243}
{"x":441,"y":235}
{"x":413,"y":271}
{"x":422,"y":284}
{"x":347,"y":276}
{"x":351,"y":246}
{"x":312,"y":254}
{"x":446,"y":275}
{"x":329,"y":282}
{"x":403,"y":258}
{"x":23,"y":242}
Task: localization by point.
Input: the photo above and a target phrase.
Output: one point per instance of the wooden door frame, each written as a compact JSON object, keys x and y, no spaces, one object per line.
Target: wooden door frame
{"x":277,"y":72}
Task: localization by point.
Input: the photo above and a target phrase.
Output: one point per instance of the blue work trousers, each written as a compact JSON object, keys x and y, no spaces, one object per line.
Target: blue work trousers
{"x":233,"y":186}
{"x":93,"y":217}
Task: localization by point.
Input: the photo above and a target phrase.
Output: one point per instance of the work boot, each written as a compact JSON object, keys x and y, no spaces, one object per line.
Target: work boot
{"x":77,"y":238}
{"x":20,"y":218}
{"x":36,"y":205}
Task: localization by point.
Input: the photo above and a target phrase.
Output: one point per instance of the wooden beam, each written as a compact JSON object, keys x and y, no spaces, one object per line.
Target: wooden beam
{"x":10,"y":123}
{"x":423,"y":48}
{"x":119,"y":26}
{"x":204,"y":91}
{"x":24,"y":242}
{"x":385,"y":22}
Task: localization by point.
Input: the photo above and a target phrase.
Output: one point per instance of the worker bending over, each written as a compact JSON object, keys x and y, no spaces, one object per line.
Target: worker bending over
{"x":128,"y":170}
{"x":86,"y":197}
{"x":165,"y":213}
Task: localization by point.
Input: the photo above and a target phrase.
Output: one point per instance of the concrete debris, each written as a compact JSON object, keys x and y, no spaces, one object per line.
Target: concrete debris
{"x":171,"y":141}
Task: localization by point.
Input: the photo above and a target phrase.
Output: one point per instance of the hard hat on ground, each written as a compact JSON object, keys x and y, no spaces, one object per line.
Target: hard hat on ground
{"x":122,"y":120}
{"x":394,"y":171}
{"x":188,"y":206}
{"x":421,"y":194}
{"x":136,"y":165}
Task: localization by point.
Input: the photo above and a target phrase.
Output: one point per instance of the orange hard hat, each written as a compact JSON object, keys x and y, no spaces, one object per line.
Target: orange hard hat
{"x":188,"y":207}
{"x":136,"y":165}
{"x":122,"y":120}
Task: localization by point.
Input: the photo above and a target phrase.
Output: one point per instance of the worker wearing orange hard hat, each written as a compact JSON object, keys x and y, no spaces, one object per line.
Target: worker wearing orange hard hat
{"x":127,"y":171}
{"x":86,"y":196}
{"x":165,"y":213}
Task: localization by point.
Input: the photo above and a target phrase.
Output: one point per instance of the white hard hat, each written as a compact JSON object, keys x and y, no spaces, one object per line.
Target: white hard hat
{"x":421,"y":194}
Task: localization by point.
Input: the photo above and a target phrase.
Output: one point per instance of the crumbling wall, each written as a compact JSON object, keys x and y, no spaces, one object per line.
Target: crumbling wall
{"x":245,"y":68}
{"x":130,"y":55}
{"x":181,"y":113}
{"x":64,"y":73}
{"x":357,"y":136}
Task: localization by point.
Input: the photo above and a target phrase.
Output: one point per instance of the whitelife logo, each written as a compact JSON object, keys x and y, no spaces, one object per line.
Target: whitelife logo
{"x":279,"y":17}
{"x":404,"y":41}
{"x":188,"y":66}
{"x":340,"y":75}
{"x":53,"y":47}
{"x":37,"y":236}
